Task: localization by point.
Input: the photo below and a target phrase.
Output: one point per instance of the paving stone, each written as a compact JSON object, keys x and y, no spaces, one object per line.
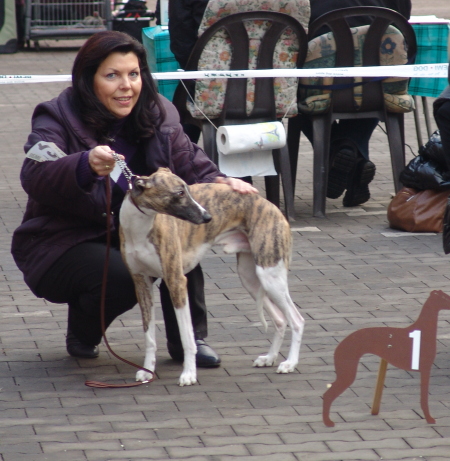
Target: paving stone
{"x":233,"y":450}
{"x":146,"y":454}
{"x":69,"y":456}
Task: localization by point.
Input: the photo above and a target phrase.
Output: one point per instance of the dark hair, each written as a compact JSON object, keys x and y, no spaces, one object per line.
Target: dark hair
{"x":143,"y":118}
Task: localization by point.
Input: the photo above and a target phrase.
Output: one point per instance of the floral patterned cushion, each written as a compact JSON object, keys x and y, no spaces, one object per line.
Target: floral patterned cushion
{"x":322,"y":53}
{"x":210,"y":94}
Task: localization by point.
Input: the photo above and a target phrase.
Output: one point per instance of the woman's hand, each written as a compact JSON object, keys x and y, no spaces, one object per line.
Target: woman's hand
{"x":101,"y":160}
{"x":238,"y":185}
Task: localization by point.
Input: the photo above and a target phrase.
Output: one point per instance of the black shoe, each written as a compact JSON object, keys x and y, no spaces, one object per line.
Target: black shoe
{"x":342,"y":166}
{"x":75,"y":348}
{"x":206,"y":356}
{"x":358,"y":189}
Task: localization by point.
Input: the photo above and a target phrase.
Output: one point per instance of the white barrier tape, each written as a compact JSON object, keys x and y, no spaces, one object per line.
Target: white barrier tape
{"x":420,"y":70}
{"x":406,"y":71}
{"x":5,"y":79}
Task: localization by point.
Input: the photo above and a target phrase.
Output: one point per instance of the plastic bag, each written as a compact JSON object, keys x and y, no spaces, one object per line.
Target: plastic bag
{"x":429,"y":169}
{"x":422,"y":174}
{"x":433,"y":150}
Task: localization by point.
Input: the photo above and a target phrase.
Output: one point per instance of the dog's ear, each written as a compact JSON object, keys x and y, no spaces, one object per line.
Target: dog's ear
{"x":162,"y":169}
{"x":138,"y":184}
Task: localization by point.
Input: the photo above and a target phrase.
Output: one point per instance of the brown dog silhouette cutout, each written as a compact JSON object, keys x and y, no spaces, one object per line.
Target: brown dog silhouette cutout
{"x":412,"y":349}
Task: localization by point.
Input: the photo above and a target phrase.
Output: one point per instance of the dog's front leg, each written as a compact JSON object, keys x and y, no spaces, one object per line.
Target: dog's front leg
{"x":144,"y":287}
{"x":189,"y":375}
{"x":177,"y":286}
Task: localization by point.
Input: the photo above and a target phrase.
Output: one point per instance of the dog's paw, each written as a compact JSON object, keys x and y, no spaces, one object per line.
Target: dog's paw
{"x":264,"y":361}
{"x":187,"y":379}
{"x":143,"y":376}
{"x":286,"y":367}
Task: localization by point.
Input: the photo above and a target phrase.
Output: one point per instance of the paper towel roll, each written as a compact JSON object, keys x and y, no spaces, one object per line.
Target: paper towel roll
{"x":237,"y":139}
{"x":246,"y":150}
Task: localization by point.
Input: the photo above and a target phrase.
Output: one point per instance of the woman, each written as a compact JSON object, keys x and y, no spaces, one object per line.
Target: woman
{"x":441,"y":112}
{"x":112,"y":106}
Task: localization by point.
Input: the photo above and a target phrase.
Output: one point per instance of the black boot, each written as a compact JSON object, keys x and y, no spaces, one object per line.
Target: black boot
{"x":343,"y":160}
{"x":206,"y":356}
{"x":358,"y":188}
{"x":76,"y":348}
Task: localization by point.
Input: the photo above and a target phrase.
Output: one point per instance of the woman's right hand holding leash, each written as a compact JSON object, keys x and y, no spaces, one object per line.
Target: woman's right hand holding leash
{"x":101,"y":160}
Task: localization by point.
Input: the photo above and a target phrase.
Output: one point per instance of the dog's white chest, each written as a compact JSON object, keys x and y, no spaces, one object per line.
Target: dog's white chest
{"x":143,"y":258}
{"x":139,"y":252}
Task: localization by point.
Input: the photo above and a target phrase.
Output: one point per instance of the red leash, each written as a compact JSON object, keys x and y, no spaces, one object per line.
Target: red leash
{"x":99,"y":384}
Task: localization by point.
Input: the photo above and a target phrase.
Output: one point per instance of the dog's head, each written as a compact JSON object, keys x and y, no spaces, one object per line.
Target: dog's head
{"x":166,"y":193}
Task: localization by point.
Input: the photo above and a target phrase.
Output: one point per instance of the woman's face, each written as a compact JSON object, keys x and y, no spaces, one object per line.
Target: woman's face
{"x":118,"y":84}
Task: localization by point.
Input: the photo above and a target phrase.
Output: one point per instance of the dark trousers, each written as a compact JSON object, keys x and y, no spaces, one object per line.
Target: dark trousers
{"x":358,"y":130}
{"x":442,"y":117}
{"x":76,"y":279}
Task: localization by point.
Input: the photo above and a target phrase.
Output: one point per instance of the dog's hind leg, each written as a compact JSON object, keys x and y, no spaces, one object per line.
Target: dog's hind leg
{"x":144,"y":287}
{"x":280,"y":323}
{"x":247,"y":273}
{"x":275,"y":284}
{"x":297,"y":325}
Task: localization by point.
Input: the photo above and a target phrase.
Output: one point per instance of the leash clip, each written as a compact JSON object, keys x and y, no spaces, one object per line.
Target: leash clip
{"x":125,"y":170}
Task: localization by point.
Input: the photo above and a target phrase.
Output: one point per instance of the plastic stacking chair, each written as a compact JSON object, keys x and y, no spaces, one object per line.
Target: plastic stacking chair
{"x":230,"y":44}
{"x":386,"y":99}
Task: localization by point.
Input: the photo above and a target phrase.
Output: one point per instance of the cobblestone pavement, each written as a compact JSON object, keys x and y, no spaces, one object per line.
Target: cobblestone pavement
{"x":349,"y":271}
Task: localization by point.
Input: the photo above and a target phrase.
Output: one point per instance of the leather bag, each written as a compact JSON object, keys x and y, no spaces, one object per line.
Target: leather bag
{"x":418,"y":211}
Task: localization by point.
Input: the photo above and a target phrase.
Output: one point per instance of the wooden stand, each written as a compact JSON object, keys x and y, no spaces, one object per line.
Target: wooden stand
{"x":379,"y":387}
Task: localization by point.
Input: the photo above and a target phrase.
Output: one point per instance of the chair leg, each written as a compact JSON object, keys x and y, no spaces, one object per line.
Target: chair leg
{"x":417,"y":122}
{"x":395,"y":133}
{"x":293,"y":141}
{"x":286,"y":178}
{"x":321,"y":146}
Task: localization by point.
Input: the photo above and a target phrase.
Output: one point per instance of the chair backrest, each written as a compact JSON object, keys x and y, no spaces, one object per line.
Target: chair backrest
{"x":218,"y":9}
{"x":379,"y":43}
{"x":250,"y":40}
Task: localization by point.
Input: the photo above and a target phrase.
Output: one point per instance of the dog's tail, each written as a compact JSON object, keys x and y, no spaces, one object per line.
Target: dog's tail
{"x":260,"y":306}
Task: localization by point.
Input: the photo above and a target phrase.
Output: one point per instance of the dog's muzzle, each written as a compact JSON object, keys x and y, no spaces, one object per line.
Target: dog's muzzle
{"x":206,"y":217}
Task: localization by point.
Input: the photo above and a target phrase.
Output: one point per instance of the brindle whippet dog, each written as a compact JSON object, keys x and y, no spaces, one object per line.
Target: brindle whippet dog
{"x":155,"y":244}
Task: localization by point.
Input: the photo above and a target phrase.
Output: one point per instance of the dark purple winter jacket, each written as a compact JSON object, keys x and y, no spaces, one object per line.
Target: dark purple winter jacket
{"x":60,"y":214}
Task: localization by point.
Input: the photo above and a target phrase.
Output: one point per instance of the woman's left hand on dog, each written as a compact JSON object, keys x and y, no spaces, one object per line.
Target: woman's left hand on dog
{"x":238,"y":185}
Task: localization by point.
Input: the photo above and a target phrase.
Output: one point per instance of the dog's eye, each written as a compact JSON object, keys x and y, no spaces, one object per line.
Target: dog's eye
{"x":180,"y":193}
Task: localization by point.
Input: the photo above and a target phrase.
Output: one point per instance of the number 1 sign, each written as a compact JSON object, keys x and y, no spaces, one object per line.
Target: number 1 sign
{"x":412,"y":348}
